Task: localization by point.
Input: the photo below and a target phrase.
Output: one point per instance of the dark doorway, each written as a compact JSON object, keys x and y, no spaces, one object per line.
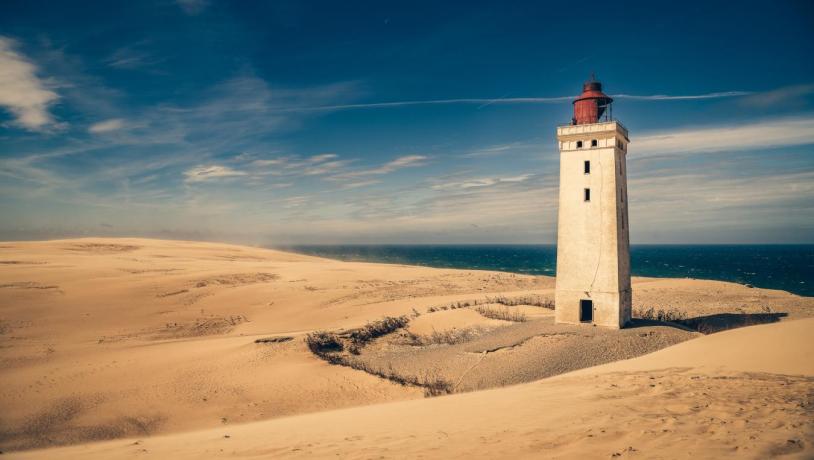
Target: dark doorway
{"x":586,"y":311}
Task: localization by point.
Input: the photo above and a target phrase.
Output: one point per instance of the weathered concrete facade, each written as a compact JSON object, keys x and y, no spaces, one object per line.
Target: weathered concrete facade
{"x":593,"y":247}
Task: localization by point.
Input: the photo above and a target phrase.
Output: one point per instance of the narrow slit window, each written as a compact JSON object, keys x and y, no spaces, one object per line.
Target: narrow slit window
{"x":587,"y":195}
{"x":593,"y":143}
{"x":587,"y":167}
{"x":622,"y":195}
{"x":623,"y":221}
{"x":579,"y":144}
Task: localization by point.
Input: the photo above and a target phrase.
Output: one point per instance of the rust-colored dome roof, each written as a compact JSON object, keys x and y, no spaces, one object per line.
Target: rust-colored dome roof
{"x":591,"y":104}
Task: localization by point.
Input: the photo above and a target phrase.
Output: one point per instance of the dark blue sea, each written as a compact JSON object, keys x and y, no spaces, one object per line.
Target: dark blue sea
{"x":786,"y":267}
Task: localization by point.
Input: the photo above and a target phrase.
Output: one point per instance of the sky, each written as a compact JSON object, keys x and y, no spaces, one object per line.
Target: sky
{"x":295,"y":122}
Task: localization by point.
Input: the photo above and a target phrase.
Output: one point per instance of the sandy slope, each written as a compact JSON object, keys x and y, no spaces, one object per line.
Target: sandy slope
{"x":117,"y":338}
{"x":657,"y":406}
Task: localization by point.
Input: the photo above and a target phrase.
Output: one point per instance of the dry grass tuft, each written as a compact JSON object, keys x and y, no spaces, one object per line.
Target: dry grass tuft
{"x":375,"y":329}
{"x":279,"y":339}
{"x":533,"y":300}
{"x":323,"y":342}
{"x":453,"y":306}
{"x":331,"y":347}
{"x":671,"y":315}
{"x":447,"y":337}
{"x":505,"y":313}
{"x":432,"y":383}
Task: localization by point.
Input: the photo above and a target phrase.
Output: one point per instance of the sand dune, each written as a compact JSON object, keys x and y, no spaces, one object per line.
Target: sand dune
{"x":149,"y":340}
{"x":657,"y":406}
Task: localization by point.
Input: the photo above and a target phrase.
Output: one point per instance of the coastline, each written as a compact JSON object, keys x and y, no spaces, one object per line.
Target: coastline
{"x":701,"y":262}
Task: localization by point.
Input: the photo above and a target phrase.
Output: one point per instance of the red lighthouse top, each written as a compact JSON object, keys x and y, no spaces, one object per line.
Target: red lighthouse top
{"x":591,"y":104}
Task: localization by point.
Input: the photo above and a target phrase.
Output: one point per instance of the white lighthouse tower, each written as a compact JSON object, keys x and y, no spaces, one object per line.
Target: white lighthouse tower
{"x":593,"y":247}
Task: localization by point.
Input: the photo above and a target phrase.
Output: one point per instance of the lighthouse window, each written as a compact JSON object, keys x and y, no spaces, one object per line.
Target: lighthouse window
{"x":579,"y":144}
{"x":587,"y":194}
{"x":587,"y":167}
{"x":593,"y":142}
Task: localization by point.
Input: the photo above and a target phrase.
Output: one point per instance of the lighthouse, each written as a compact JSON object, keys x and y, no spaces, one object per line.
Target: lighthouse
{"x":593,"y":246}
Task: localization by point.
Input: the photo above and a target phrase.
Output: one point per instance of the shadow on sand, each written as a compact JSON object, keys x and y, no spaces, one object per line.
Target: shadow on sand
{"x":714,"y":323}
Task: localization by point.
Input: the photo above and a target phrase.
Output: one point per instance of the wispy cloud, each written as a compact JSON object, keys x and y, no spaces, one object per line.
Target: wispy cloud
{"x":665,"y":97}
{"x":407,"y":161}
{"x":517,"y":207}
{"x":206,"y":173}
{"x":241,"y":111}
{"x":706,"y":191}
{"x":323,"y":157}
{"x":106,"y":126}
{"x":704,"y":204}
{"x":130,"y":58}
{"x":295,"y":165}
{"x":294,"y":201}
{"x":327,"y":167}
{"x":793,"y":95}
{"x":502,"y":149}
{"x":484,"y":102}
{"x":359,"y":184}
{"x":328,"y":164}
{"x":22,"y":92}
{"x":192,"y":7}
{"x":775,"y":133}
{"x":482,"y":182}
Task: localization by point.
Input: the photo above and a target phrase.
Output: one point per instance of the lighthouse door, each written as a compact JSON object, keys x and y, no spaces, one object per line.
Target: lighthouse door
{"x":586,"y":311}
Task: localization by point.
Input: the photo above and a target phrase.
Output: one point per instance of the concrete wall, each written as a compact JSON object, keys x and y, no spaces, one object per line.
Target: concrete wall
{"x":593,"y":256}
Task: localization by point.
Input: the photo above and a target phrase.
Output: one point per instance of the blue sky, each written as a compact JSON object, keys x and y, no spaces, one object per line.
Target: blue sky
{"x":426,"y":122}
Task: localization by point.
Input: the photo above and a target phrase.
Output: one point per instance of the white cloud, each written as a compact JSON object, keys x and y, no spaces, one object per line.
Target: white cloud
{"x":482,"y":182}
{"x":520,"y":178}
{"x":782,"y":132}
{"x":107,"y":126}
{"x":321,"y":158}
{"x":205,"y":173}
{"x":324,"y":168}
{"x":403,"y":162}
{"x":359,"y":184}
{"x":21,"y":92}
{"x":294,"y":165}
{"x":407,"y":161}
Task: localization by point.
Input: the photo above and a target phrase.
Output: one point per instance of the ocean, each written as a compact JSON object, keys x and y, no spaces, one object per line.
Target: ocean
{"x":786,"y":267}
